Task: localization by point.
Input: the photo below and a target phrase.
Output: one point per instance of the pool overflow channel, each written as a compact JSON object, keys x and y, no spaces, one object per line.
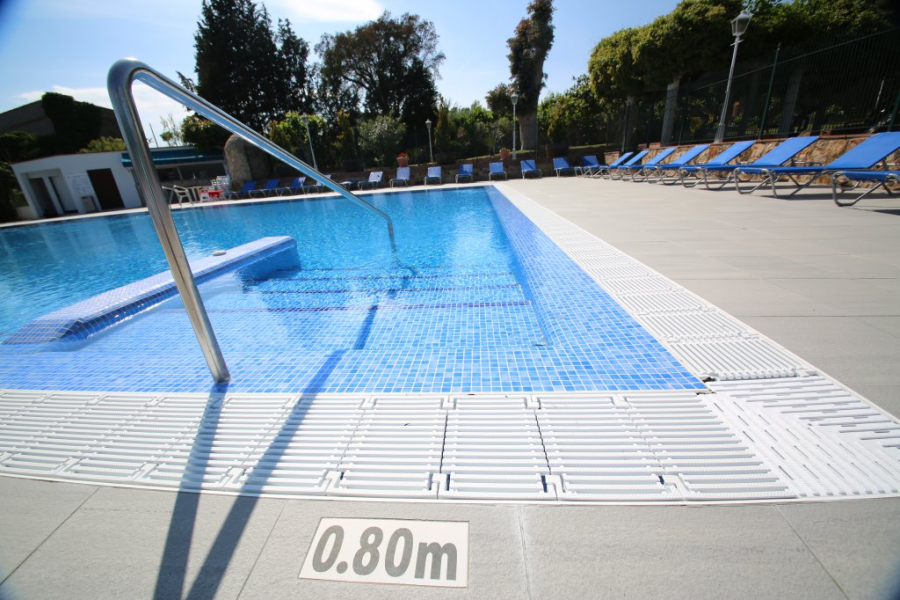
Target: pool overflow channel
{"x":122,"y":76}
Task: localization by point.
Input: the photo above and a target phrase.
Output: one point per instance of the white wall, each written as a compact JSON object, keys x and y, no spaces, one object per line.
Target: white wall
{"x":68,"y":173}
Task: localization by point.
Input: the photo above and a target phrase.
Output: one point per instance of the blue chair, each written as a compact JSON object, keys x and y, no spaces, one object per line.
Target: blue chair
{"x":589,"y":164}
{"x":864,"y":156}
{"x":433,"y":173}
{"x":639,"y":172}
{"x":270,"y":188}
{"x":374,"y":180}
{"x":598,"y":172}
{"x":843,"y":181}
{"x":527,"y":167}
{"x":721,"y":160}
{"x":294,"y":187}
{"x":402,"y":176}
{"x":466,"y":170}
{"x":668,"y":172}
{"x":243,"y":192}
{"x":561,"y":164}
{"x":496,"y":168}
{"x":777,"y":156}
{"x":619,"y":169}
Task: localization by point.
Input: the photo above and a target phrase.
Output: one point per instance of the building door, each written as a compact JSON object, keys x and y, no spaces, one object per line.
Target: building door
{"x":106,"y":189}
{"x":48,"y":209}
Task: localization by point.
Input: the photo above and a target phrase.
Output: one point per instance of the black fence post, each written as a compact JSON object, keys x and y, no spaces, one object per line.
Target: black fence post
{"x":765,"y":112}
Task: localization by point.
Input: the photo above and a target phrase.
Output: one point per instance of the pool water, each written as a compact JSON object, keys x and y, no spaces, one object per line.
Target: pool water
{"x":473,"y":298}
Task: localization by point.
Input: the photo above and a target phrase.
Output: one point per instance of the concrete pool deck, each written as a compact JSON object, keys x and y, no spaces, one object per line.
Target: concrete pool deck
{"x":823,"y":282}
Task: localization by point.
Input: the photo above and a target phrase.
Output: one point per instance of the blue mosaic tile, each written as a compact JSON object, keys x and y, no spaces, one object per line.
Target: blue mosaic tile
{"x":529,"y":320}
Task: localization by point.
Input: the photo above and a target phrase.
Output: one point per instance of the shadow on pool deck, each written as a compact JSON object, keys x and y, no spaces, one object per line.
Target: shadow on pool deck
{"x":174,"y":563}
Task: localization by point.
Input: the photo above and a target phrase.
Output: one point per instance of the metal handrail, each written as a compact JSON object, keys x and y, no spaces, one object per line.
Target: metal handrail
{"x":121,"y":77}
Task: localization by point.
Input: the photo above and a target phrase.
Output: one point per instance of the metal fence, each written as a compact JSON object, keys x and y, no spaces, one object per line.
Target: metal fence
{"x":831,"y":86}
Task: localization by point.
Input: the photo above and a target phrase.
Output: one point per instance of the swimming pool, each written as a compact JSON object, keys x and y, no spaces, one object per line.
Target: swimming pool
{"x":475,"y":298}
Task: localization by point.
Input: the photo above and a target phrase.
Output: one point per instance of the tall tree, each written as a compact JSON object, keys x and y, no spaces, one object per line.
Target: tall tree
{"x":528,"y":49}
{"x":498,"y":100}
{"x":391,"y":63}
{"x":251,"y":71}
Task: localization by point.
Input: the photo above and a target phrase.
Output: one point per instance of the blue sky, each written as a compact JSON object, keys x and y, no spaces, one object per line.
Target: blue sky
{"x":68,"y":45}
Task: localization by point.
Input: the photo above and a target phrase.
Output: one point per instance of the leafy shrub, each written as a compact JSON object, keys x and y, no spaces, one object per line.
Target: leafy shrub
{"x":380,"y":138}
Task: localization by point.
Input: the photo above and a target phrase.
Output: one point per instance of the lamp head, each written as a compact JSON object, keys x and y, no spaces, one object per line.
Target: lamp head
{"x":514,"y":97}
{"x":304,"y":118}
{"x":740,"y":23}
{"x":428,"y":123}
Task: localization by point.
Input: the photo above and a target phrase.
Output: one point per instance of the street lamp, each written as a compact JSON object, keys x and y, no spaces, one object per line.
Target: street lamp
{"x":430,"y":150}
{"x":514,"y":98}
{"x":305,"y":118}
{"x":738,"y":28}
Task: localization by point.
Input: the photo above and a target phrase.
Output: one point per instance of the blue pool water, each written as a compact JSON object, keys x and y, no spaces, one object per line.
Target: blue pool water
{"x":474,"y":298}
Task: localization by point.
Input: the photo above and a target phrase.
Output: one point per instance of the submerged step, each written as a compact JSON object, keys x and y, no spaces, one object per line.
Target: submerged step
{"x":99,"y":312}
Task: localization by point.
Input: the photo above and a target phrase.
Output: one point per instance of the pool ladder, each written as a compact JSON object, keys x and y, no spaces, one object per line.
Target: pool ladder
{"x":122,"y":76}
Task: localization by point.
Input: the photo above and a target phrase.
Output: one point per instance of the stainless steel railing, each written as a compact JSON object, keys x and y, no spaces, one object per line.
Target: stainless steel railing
{"x":121,"y":77}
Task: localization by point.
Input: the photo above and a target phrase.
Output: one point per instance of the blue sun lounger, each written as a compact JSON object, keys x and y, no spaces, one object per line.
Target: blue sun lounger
{"x":618,"y":171}
{"x":721,"y":160}
{"x":562,"y":164}
{"x":844,"y":181}
{"x":777,"y":156}
{"x":641,"y":171}
{"x":245,"y":190}
{"x":402,"y":176}
{"x":613,"y":165}
{"x":667,"y":173}
{"x":864,"y":156}
{"x":589,"y":164}
{"x":434,"y":173}
{"x":295,"y":186}
{"x":466,"y":170}
{"x":527,"y":166}
{"x":496,"y":168}
{"x":270,"y":187}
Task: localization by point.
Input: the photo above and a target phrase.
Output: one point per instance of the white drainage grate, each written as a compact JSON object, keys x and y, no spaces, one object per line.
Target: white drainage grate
{"x":395,"y":450}
{"x":700,"y":453}
{"x":826,"y":441}
{"x":598,"y":452}
{"x":493,"y":449}
{"x":800,"y":437}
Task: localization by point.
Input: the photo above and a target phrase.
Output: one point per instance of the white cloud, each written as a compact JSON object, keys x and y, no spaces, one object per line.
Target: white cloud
{"x":354,"y":11}
{"x":152,"y":106}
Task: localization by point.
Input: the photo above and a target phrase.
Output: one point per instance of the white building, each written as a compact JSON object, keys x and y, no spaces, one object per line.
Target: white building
{"x":85,"y":183}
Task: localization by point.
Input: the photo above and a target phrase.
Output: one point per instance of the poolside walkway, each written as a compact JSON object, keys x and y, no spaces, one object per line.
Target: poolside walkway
{"x":823,"y":282}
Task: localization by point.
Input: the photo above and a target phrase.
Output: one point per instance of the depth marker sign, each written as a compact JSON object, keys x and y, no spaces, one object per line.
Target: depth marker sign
{"x":432,"y":553}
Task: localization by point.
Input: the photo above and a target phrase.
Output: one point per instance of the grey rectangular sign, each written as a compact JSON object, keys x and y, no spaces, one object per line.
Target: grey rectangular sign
{"x":432,"y":553}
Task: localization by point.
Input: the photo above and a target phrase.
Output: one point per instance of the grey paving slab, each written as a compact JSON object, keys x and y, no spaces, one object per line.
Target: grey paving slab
{"x":853,"y":266}
{"x":830,"y":337}
{"x":887,"y":324}
{"x":768,"y":266}
{"x":496,"y":561}
{"x":856,"y":297}
{"x":857,"y":542}
{"x":753,"y":297}
{"x":138,"y":544}
{"x":30,"y":511}
{"x":673,"y":552}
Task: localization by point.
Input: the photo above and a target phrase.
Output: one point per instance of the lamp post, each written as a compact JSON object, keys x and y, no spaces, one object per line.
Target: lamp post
{"x":430,"y":150}
{"x":738,"y":27}
{"x":515,"y":98}
{"x":305,"y":118}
